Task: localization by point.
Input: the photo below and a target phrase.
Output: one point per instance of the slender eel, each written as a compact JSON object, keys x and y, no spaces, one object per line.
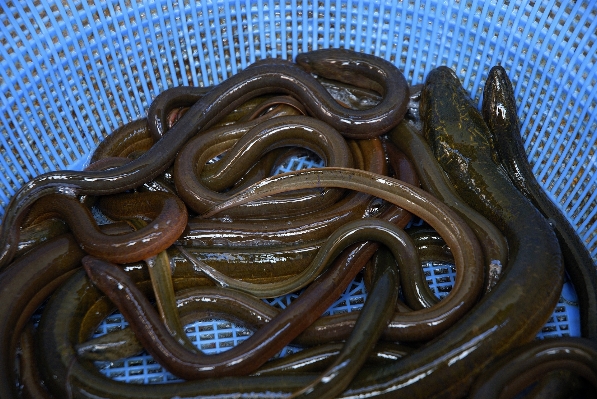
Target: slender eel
{"x":208,"y":302}
{"x":257,"y":137}
{"x":517,"y":306}
{"x":499,"y":111}
{"x":524,"y":365}
{"x":273,"y":133}
{"x":254,"y":351}
{"x":165,"y":183}
{"x":260,"y":79}
{"x":430,"y":245}
{"x":273,"y":106}
{"x":67,"y":375}
{"x":259,"y":265}
{"x":350,"y":96}
{"x":224,"y":174}
{"x":160,"y":274}
{"x":65,"y":372}
{"x":77,"y":296}
{"x":167,"y":213}
{"x":486,"y":329}
{"x":24,"y":285}
{"x":171,"y":104}
{"x":508,"y":316}
{"x":377,"y":311}
{"x":364,"y":71}
{"x":316,"y":226}
{"x":422,"y":324}
{"x":193,"y":304}
{"x":138,"y":136}
{"x":435,"y":180}
{"x":168,"y":100}
{"x":350,"y":233}
{"x":402,"y":167}
{"x":161,"y":280}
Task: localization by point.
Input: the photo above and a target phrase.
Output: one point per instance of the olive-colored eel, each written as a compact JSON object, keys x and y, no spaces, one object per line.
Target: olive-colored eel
{"x":208,"y":233}
{"x":160,"y":273}
{"x":419,"y":325}
{"x":517,"y":306}
{"x":463,"y":347}
{"x":319,"y":357}
{"x":208,"y":302}
{"x":121,"y":142}
{"x":364,"y":71}
{"x":272,"y":76}
{"x":31,"y":383}
{"x":375,"y":315}
{"x":64,"y":328}
{"x":381,"y":231}
{"x":37,"y":233}
{"x":272,"y":133}
{"x":434,"y":180}
{"x":254,"y":351}
{"x":499,"y":112}
{"x":503,"y":318}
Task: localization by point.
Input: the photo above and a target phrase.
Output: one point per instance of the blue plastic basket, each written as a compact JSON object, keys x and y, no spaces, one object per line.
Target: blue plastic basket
{"x":71,"y":72}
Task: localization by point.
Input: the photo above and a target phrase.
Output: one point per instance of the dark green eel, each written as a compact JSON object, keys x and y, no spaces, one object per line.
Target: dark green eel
{"x":499,"y":111}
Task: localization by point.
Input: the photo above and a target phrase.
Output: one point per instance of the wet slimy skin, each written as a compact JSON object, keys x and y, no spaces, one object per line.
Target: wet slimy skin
{"x":32,"y":384}
{"x":420,"y":325}
{"x":356,"y":231}
{"x":67,"y":374}
{"x":37,"y":233}
{"x":434,"y":180}
{"x":168,"y":100}
{"x":445,"y":366}
{"x":167,"y":213}
{"x":430,"y":245}
{"x":517,"y":306}
{"x":239,"y":360}
{"x":24,"y":285}
{"x":160,"y":273}
{"x":499,"y":111}
{"x":368,"y":72}
{"x":350,"y":96}
{"x":133,"y":136}
{"x":316,"y":226}
{"x":485,"y":330}
{"x":273,"y":133}
{"x":267,"y":77}
{"x":376,"y":313}
{"x":319,"y":357}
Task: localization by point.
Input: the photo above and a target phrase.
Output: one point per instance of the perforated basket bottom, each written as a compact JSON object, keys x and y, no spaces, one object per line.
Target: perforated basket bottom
{"x":214,"y":336}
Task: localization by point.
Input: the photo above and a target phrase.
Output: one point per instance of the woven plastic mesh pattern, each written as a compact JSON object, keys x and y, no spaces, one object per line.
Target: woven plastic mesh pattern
{"x":72,"y":71}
